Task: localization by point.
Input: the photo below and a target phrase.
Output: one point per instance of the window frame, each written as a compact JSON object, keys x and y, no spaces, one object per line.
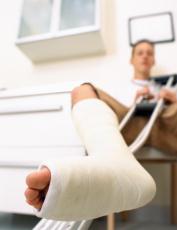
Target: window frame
{"x":54,"y":31}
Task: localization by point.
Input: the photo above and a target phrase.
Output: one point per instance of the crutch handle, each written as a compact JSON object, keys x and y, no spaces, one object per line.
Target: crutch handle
{"x":162,"y":80}
{"x":142,"y":137}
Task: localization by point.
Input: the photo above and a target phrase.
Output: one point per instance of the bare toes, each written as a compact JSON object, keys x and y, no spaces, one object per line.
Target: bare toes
{"x":36,"y":203}
{"x":39,"y":179}
{"x":31,"y":194}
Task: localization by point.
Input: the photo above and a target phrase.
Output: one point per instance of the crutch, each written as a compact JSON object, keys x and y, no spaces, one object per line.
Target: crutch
{"x":142,"y":137}
{"x":45,"y":224}
{"x":168,"y":80}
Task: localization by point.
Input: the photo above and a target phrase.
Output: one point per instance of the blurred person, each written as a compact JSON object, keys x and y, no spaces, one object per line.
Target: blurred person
{"x":96,"y":115}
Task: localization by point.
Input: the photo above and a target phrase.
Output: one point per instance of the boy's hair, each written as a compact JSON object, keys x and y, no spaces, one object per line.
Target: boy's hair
{"x":139,"y":42}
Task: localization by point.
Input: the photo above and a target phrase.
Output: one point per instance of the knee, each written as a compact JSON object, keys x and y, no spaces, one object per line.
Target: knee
{"x":82,"y":92}
{"x":76,"y":92}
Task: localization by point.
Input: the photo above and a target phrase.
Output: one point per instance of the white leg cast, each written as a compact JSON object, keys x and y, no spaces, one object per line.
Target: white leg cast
{"x":109,"y":180}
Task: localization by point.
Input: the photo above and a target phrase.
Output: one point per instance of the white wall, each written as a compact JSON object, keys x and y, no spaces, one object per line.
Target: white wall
{"x":17,"y":70}
{"x":106,"y":71}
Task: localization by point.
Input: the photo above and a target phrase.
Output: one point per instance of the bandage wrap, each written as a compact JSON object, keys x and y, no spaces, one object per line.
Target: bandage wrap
{"x":108,"y":180}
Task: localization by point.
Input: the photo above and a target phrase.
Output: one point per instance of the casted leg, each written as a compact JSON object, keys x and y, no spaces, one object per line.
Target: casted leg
{"x":83,"y":92}
{"x":38,"y":182}
{"x":108,"y":180}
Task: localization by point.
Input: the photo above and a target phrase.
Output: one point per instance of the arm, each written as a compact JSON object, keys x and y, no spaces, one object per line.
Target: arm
{"x":167,"y":94}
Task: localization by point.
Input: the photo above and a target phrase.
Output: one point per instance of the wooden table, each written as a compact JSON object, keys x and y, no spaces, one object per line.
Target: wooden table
{"x":157,"y":157}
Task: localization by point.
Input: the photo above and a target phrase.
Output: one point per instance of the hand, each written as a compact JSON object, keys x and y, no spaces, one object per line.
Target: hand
{"x":168,"y":95}
{"x":144,"y":92}
{"x":38,"y":183}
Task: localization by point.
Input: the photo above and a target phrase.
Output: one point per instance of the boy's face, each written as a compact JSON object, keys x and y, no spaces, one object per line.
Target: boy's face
{"x":143,"y":58}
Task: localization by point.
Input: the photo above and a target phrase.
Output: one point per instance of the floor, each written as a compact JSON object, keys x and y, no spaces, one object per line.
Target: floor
{"x":17,"y":222}
{"x":22,"y":222}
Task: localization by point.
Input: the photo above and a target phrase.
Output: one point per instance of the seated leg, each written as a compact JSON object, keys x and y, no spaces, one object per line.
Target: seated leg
{"x":82,"y":92}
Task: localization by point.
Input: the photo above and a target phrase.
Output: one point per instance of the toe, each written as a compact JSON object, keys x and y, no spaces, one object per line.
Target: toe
{"x":36,"y":203}
{"x":31,"y":194}
{"x":39,"y":179}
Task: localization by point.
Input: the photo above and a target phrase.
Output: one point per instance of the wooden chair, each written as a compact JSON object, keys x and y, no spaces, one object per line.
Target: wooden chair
{"x":155,"y":157}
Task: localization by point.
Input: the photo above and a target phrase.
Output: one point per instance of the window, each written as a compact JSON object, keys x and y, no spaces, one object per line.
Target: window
{"x":36,"y":17}
{"x":41,"y":17}
{"x":77,"y":13}
{"x":52,"y":29}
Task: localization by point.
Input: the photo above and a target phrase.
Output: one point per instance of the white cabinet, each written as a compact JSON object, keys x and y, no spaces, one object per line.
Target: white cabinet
{"x":55,"y":29}
{"x":36,"y":125}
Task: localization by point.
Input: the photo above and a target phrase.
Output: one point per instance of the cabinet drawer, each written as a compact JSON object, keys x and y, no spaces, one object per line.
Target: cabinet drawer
{"x":32,"y":157}
{"x":35,"y":122}
{"x":35,"y":125}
